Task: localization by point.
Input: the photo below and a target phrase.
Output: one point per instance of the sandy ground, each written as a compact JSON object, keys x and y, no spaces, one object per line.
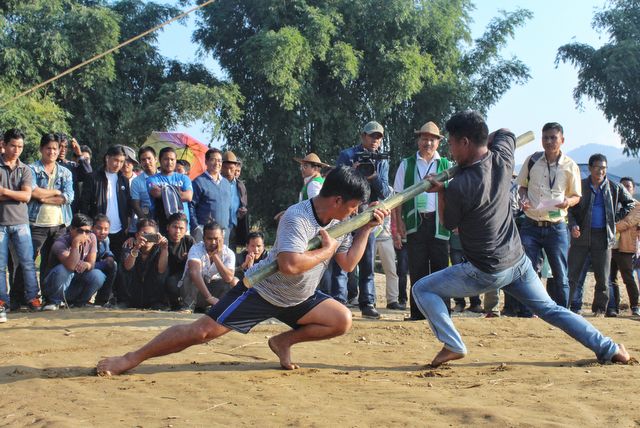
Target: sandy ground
{"x":519,"y":372}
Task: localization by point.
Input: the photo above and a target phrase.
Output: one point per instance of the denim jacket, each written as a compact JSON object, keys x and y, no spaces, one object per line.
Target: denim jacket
{"x":63,"y":181}
{"x":617,"y":202}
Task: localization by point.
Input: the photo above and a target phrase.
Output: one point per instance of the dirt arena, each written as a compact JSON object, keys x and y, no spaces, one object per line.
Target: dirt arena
{"x":519,"y":372}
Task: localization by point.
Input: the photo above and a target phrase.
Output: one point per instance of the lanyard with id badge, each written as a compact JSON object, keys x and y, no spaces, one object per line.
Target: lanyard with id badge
{"x":557,"y":196}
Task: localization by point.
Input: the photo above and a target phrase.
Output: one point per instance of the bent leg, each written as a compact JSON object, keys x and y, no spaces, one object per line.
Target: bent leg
{"x":529,"y":290}
{"x":173,"y":339}
{"x":428,"y":293}
{"x":327,"y":319}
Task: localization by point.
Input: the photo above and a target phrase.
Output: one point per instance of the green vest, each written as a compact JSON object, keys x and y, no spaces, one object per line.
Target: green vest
{"x":303,"y":193}
{"x":409,"y":210}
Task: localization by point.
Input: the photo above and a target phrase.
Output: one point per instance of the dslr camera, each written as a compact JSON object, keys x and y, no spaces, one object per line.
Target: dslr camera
{"x":367,"y":161}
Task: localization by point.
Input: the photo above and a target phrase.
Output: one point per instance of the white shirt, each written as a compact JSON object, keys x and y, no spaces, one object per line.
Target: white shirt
{"x":112,"y":202}
{"x":313,"y":188}
{"x":198,"y":252}
{"x":424,"y":168}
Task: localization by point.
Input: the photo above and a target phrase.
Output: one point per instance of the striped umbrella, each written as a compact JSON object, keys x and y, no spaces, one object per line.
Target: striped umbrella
{"x":186,"y":147}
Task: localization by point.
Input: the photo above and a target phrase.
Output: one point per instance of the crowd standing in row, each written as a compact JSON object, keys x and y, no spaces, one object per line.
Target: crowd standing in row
{"x":158,"y":240}
{"x":476,"y":202}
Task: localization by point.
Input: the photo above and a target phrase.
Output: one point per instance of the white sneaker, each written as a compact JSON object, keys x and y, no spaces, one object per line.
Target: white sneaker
{"x":51,"y":307}
{"x":3,"y":315}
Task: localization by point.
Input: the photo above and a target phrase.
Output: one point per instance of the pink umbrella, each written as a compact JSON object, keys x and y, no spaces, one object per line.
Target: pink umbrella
{"x":186,"y":147}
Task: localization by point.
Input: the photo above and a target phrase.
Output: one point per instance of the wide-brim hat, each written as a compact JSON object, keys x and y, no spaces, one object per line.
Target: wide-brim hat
{"x":313,"y":159}
{"x":230,"y":157}
{"x":429,"y":128}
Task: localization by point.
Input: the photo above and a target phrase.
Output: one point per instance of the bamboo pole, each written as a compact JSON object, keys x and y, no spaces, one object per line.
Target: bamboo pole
{"x":365,"y":217}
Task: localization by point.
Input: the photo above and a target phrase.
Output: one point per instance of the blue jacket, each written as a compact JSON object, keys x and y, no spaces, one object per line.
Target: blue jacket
{"x":380,"y":184}
{"x":63,"y":181}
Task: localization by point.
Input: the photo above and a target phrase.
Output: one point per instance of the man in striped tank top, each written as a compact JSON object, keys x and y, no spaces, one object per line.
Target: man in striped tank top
{"x":290,"y":295}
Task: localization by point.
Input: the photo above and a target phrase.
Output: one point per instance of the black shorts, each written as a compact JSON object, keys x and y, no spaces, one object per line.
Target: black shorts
{"x":243,"y":308}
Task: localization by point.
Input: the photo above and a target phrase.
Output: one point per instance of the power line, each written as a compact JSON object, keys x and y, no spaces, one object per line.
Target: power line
{"x":107,"y":52}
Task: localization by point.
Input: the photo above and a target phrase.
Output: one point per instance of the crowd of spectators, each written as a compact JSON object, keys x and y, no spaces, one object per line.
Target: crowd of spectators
{"x":138,"y":232}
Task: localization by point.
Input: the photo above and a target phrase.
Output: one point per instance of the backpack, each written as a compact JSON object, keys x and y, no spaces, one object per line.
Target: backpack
{"x":171,"y":200}
{"x":532,"y":160}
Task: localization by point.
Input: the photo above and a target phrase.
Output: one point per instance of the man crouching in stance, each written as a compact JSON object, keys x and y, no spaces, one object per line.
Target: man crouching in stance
{"x":289,"y":295}
{"x":477,"y":202}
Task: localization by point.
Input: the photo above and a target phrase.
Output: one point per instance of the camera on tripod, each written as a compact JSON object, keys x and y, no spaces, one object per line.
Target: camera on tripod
{"x":367,"y":161}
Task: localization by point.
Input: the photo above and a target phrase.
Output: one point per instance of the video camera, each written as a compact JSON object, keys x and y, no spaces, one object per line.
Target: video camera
{"x":367,"y":161}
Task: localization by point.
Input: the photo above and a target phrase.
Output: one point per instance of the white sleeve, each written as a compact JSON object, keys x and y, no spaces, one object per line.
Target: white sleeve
{"x":398,"y":183}
{"x":313,"y":189}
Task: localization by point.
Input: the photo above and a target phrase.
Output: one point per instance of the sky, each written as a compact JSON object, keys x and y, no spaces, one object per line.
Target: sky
{"x":546,"y":97}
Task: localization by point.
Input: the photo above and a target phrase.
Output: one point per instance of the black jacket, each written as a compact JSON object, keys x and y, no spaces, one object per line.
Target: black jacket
{"x":617,"y":202}
{"x":94,"y":197}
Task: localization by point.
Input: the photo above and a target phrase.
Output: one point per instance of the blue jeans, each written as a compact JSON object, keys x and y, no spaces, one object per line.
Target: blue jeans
{"x":20,"y":236}
{"x":106,"y":291}
{"x":366,"y":287}
{"x":521,"y":282}
{"x":554,"y":240}
{"x":63,"y":284}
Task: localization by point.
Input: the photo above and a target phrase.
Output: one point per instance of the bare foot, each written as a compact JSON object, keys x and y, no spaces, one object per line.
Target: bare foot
{"x":115,"y":365}
{"x":283,"y":351}
{"x":622,"y":356}
{"x":444,"y":356}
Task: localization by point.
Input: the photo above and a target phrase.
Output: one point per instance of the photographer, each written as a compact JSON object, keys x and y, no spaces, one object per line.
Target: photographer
{"x":374,"y":165}
{"x":144,"y":267}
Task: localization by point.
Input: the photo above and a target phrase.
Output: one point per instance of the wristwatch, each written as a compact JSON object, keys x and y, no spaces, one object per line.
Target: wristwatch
{"x":134,"y":253}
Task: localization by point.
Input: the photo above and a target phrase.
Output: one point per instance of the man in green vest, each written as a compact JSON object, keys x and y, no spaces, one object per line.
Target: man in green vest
{"x":310,"y":167}
{"x":427,"y":240}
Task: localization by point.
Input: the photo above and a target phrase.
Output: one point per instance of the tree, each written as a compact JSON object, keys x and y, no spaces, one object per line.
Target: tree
{"x":609,"y":74}
{"x":119,"y":99}
{"x":312,"y":72}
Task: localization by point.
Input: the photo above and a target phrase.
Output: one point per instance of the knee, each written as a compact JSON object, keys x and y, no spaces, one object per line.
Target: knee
{"x":342,"y":322}
{"x":97,"y":276}
{"x":200,"y":333}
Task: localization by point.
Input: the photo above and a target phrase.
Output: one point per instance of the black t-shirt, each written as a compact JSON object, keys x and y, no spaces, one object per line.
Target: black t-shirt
{"x":478,"y":203}
{"x":178,"y":253}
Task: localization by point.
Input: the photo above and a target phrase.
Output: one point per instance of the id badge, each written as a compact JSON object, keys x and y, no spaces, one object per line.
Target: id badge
{"x":555,"y":214}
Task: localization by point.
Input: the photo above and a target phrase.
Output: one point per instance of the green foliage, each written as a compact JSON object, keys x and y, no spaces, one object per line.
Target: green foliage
{"x":119,"y":99}
{"x":34,"y":115}
{"x":312,"y":72}
{"x":609,"y":75}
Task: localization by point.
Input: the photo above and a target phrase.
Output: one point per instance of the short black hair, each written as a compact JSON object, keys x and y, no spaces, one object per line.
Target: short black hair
{"x":101,"y":217}
{"x":470,"y":124}
{"x":598,"y":157}
{"x":166,"y":150}
{"x":254,"y":235}
{"x":211,"y":225}
{"x":347,"y":183}
{"x":211,"y":152}
{"x":177,"y":217}
{"x":85,"y":148}
{"x":13,"y":134}
{"x":555,"y":126}
{"x":629,"y":179}
{"x":145,"y":222}
{"x":80,"y":220}
{"x":116,"y":150}
{"x":47,"y":138}
{"x":185,"y":163}
{"x":145,"y":149}
{"x":61,"y":136}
